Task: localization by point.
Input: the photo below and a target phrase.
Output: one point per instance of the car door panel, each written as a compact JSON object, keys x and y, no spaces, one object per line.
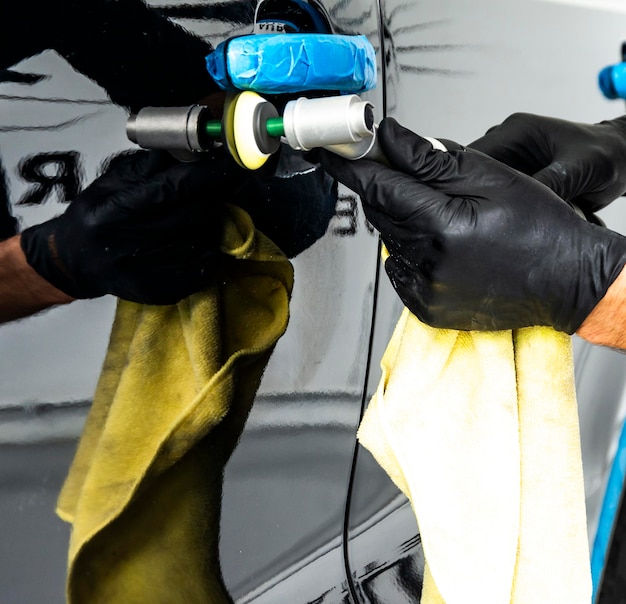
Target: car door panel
{"x":454,"y":69}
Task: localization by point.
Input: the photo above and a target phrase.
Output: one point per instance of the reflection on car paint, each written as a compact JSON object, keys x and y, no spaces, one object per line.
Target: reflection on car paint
{"x":308,"y":516}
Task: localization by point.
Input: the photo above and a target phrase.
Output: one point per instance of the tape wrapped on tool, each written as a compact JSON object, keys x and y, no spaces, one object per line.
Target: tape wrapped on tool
{"x":277,"y":63}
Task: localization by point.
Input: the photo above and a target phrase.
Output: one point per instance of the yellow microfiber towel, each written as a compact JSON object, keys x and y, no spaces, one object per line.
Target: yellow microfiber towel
{"x":143,"y":492}
{"x":480,"y":431}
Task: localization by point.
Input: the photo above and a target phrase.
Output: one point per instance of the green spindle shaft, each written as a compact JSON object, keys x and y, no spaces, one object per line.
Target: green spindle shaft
{"x":213,"y":128}
{"x":275,"y":127}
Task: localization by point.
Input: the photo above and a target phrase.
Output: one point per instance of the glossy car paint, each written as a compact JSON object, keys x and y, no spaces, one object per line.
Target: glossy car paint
{"x":307,"y":515}
{"x":454,"y":69}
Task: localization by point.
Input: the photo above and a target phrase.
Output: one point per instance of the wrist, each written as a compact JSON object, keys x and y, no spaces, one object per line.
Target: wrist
{"x":22,"y":290}
{"x":606,"y":323}
{"x":619,"y":123}
{"x":618,"y":128}
{"x":60,"y":270}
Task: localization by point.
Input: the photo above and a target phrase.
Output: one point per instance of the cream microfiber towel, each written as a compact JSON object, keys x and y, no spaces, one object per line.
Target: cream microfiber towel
{"x":480,"y":431}
{"x":143,"y":492}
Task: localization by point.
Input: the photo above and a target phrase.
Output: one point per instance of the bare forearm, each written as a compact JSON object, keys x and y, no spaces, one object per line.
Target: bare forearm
{"x":22,"y":291}
{"x":606,"y":324}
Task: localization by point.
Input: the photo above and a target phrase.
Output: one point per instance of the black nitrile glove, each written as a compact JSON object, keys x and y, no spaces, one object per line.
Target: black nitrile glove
{"x":292,"y":205}
{"x":581,"y":163}
{"x":148,"y":230}
{"x":475,"y":244}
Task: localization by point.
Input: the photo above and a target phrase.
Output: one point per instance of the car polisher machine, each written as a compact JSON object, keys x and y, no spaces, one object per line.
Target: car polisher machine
{"x":303,"y":56}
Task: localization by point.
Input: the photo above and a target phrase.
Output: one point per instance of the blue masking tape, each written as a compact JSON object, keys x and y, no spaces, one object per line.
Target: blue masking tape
{"x":287,"y":63}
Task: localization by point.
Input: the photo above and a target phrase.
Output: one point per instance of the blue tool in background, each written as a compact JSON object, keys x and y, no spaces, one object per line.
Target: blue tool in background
{"x":612,"y":83}
{"x":612,"y":79}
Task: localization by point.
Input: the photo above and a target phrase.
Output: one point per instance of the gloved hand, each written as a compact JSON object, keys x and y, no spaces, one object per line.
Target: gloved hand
{"x":581,"y":163}
{"x":147,"y":230}
{"x":473,"y":243}
{"x":292,"y":203}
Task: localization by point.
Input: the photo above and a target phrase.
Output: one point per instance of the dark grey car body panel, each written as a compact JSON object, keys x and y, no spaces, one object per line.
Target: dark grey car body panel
{"x":307,"y":515}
